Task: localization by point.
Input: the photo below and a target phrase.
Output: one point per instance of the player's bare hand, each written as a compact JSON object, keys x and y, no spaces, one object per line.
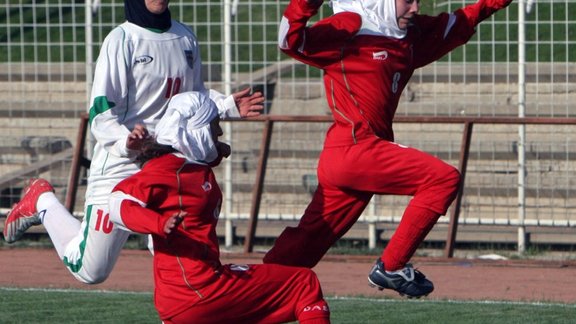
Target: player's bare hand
{"x":173,"y":222}
{"x":249,"y":104}
{"x":138,"y":135}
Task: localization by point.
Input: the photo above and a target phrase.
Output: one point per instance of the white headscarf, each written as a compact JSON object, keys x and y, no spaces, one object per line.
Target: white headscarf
{"x":378,"y":16}
{"x":186,"y":127}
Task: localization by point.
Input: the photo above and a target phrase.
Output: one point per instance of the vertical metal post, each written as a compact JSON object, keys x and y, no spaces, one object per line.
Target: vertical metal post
{"x":228,"y":239}
{"x":522,"y":127}
{"x":372,"y":237}
{"x":257,"y":191}
{"x":463,"y":164}
{"x":89,"y":41}
{"x":77,"y":162}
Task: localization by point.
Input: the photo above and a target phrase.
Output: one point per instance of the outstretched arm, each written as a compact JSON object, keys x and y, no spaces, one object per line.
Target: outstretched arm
{"x":443,"y":33}
{"x":483,"y":9}
{"x":130,"y":213}
{"x":239,"y":104}
{"x":318,"y":44}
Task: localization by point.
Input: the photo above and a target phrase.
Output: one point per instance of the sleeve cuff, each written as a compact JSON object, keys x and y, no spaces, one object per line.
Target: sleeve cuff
{"x":230,"y":108}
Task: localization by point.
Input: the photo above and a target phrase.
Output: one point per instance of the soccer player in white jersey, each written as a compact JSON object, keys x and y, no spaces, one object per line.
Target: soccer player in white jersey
{"x":142,"y":64}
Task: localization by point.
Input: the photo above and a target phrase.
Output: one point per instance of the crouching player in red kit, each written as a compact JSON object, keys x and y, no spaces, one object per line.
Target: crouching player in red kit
{"x":175,"y":197}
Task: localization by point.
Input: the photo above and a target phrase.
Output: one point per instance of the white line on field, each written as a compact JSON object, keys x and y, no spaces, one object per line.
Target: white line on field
{"x":95,"y":291}
{"x":344,"y":298}
{"x":450,"y":301}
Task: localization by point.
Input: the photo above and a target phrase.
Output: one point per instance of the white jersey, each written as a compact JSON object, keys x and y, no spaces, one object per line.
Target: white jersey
{"x":137,"y":73}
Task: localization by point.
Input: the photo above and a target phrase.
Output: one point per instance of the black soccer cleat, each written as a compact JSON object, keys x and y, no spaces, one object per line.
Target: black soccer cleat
{"x":407,"y":281}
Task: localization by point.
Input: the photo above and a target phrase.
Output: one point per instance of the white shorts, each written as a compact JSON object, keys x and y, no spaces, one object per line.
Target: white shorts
{"x":92,"y":254}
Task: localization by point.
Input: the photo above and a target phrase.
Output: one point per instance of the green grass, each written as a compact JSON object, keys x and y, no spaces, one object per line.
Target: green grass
{"x":76,"y":306}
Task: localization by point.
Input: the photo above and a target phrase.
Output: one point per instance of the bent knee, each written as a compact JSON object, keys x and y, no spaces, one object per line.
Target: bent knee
{"x":90,"y":278}
{"x":439,"y":190}
{"x":453,"y":178}
{"x":447,"y":184}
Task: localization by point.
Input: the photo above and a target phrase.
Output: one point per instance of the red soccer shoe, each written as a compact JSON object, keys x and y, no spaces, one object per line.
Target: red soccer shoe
{"x":24,"y":213}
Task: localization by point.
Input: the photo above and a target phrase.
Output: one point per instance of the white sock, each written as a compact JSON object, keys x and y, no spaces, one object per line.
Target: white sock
{"x":59,"y":223}
{"x":45,"y":200}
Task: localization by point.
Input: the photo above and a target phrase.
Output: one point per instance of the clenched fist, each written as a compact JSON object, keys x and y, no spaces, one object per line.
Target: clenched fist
{"x":496,"y":5}
{"x":483,"y":9}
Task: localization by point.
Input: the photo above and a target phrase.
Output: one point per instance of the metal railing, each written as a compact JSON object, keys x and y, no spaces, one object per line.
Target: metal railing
{"x":79,"y":160}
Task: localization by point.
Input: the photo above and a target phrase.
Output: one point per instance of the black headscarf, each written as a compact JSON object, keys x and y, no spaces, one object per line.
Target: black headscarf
{"x":137,"y":13}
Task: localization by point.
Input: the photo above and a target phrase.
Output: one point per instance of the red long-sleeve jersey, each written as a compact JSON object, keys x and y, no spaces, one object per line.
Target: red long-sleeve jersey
{"x":188,"y":259}
{"x":191,"y":286}
{"x":364,"y":75}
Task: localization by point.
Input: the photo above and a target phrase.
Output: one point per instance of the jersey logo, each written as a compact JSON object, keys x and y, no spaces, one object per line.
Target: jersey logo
{"x":189,"y":58}
{"x":144,"y":59}
{"x":322,"y":308}
{"x":207,"y":186}
{"x":239,"y":267}
{"x":380,"y":56}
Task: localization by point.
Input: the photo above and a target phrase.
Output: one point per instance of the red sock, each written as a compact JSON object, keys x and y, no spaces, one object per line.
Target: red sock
{"x":415,"y":224}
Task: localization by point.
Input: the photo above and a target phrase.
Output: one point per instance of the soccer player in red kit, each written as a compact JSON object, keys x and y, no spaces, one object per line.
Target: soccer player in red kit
{"x":175,"y":197}
{"x":368,"y":50}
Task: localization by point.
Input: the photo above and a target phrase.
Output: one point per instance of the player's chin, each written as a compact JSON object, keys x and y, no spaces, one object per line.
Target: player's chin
{"x":223,"y":152}
{"x":216,"y":162}
{"x":224,"y":149}
{"x":405,"y":22}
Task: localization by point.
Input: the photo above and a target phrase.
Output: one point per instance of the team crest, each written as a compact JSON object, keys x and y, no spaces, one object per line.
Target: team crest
{"x":189,"y":58}
{"x":144,"y":59}
{"x":207,"y":186}
{"x":380,"y":56}
{"x":239,"y":267}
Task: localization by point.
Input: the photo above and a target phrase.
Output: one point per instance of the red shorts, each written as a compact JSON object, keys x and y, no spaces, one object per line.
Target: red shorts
{"x":258,"y":294}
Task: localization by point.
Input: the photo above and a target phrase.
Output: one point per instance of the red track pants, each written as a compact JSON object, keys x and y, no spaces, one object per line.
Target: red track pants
{"x":348,"y":176}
